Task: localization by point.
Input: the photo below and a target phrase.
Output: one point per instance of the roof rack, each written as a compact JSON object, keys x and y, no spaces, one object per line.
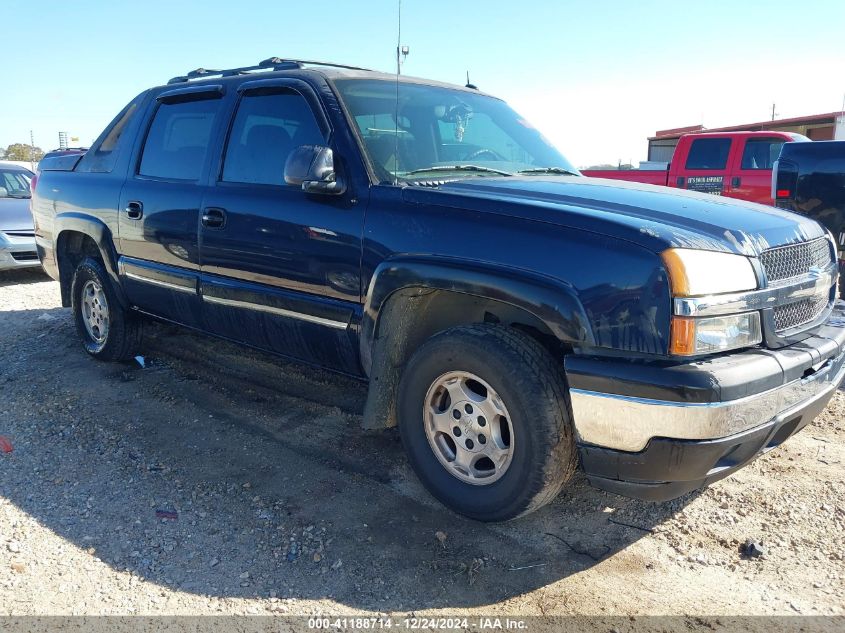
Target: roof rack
{"x":272,"y":64}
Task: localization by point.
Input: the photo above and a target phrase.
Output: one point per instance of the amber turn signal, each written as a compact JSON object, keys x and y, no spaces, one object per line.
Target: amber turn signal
{"x":682,"y":336}
{"x":678,"y":280}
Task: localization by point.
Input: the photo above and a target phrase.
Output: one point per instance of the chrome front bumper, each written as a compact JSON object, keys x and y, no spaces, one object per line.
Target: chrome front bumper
{"x":628,"y":423}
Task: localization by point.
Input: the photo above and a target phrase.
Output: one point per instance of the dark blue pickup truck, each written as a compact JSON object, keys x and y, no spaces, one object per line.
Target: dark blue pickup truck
{"x":514,"y":318}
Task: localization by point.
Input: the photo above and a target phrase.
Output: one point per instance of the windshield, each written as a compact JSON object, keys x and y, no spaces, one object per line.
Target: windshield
{"x":442,"y":132}
{"x":15,"y":182}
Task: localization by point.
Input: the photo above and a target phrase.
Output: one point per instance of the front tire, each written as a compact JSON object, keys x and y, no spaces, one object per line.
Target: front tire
{"x":484,"y":419}
{"x":108,"y":331}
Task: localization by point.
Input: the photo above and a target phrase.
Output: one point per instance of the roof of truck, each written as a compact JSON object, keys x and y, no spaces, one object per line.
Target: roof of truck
{"x":328,"y":70}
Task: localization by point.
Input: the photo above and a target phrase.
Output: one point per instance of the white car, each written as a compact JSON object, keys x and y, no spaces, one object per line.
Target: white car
{"x":17,"y":231}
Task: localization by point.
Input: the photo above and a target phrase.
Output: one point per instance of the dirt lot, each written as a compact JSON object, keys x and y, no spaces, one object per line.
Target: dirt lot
{"x":220,"y":480}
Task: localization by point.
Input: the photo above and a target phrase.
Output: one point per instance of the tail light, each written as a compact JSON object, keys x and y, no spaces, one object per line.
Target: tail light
{"x":784,"y":180}
{"x":32,"y":183}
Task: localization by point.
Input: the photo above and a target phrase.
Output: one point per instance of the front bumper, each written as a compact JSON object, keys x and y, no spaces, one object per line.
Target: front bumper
{"x":18,"y":252}
{"x":658,"y":431}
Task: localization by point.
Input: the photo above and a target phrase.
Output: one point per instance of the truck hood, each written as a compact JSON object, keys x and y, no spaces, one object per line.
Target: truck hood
{"x":15,"y":215}
{"x":653,"y":216}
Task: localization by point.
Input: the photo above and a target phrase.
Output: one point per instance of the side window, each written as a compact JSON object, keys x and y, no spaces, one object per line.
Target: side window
{"x":103,"y":155}
{"x":709,"y":153}
{"x":178,"y":139}
{"x":761,"y":153}
{"x":266,"y":129}
{"x":14,"y":182}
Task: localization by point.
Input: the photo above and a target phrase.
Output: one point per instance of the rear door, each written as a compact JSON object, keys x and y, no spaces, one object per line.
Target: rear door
{"x":280,"y":268}
{"x":160,"y":203}
{"x":705,"y":166}
{"x":751,"y":174}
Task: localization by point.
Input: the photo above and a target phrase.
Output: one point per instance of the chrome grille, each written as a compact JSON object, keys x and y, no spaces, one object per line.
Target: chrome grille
{"x":795,"y":260}
{"x":799,"y":313}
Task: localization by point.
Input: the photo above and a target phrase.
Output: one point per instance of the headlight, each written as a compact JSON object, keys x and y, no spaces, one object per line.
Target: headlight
{"x":697,"y":273}
{"x":694,"y":273}
{"x":709,"y":335}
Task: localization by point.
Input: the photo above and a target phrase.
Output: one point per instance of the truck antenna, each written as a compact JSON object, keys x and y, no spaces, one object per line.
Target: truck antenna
{"x":396,"y":113}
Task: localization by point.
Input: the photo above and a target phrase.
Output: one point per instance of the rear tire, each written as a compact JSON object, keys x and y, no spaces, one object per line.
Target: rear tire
{"x":514,"y":450}
{"x":108,"y":331}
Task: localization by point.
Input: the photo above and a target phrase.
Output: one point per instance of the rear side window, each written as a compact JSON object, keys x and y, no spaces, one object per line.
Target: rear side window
{"x":103,"y":155}
{"x":709,"y":153}
{"x":761,"y":153}
{"x":178,"y":140}
{"x":266,"y":129}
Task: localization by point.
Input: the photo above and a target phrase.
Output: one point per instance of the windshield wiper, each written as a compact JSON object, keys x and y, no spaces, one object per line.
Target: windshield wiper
{"x":548,"y":170}
{"x":19,"y":197}
{"x":477,"y":168}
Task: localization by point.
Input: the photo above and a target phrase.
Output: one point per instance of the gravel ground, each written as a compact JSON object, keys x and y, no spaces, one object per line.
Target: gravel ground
{"x":218,"y":480}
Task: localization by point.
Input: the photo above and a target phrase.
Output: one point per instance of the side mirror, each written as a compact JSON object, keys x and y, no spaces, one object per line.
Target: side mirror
{"x":312,"y":168}
{"x":3,"y":192}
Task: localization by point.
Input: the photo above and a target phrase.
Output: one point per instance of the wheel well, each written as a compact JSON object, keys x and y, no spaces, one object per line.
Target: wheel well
{"x":71,"y":248}
{"x":411,"y":316}
{"x":442,"y":309}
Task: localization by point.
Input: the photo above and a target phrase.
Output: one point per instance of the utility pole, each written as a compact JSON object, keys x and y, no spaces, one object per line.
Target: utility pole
{"x":773,"y":112}
{"x":32,"y":150}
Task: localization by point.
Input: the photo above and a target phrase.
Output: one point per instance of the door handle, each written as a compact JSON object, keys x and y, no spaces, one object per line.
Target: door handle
{"x":680,"y":181}
{"x":736,"y":181}
{"x":214,"y":218}
{"x":134,"y":210}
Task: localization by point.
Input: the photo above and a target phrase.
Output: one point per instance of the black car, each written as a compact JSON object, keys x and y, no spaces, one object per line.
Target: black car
{"x":513,"y":317}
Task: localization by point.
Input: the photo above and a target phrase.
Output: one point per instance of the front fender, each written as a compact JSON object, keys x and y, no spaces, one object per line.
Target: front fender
{"x":550,"y":300}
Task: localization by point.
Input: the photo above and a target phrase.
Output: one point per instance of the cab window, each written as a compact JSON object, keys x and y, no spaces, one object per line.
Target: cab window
{"x":178,"y":140}
{"x":266,"y":129}
{"x":761,"y":153}
{"x":709,"y":153}
{"x":103,"y":155}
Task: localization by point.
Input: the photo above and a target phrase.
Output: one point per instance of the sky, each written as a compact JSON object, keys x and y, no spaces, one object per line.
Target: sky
{"x":597,"y":78}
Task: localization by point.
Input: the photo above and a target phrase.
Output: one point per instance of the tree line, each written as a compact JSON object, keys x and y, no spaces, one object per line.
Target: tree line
{"x":22,"y":152}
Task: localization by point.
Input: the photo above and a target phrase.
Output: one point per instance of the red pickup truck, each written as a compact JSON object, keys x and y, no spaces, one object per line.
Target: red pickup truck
{"x":734,"y":164}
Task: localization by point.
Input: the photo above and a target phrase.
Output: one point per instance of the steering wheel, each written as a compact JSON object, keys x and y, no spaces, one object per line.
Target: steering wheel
{"x":482,"y":152}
